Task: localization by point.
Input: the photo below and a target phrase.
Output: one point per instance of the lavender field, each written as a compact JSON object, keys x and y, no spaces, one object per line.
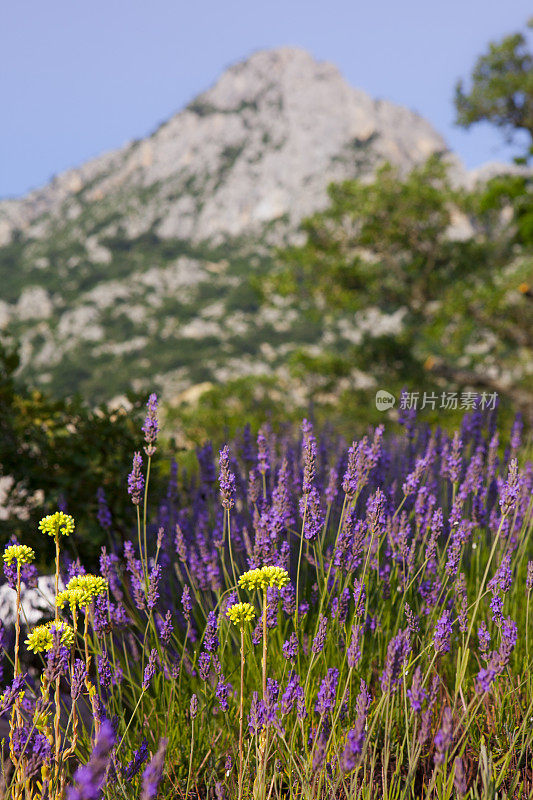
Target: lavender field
{"x":296,"y":618}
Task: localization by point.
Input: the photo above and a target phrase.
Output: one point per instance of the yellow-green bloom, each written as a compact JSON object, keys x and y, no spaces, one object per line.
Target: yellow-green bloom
{"x":41,"y":639}
{"x":264,"y":578}
{"x":20,"y":553}
{"x":74,"y":597}
{"x":57,"y":524}
{"x":241,"y":613}
{"x":81,"y":589}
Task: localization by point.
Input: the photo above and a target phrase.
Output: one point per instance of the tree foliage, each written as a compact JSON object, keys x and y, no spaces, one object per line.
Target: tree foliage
{"x":453,"y":266}
{"x":60,"y":452}
{"x":501,"y":90}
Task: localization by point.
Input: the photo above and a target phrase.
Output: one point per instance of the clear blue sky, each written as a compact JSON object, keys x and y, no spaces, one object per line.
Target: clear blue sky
{"x":78,"y":78}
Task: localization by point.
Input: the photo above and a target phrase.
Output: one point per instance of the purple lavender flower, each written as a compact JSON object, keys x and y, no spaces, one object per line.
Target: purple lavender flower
{"x":444,"y":737}
{"x":320,"y":638}
{"x":167,"y":628}
{"x":290,"y":647}
{"x":226,"y":480}
{"x":463,"y":603}
{"x":356,"y":737}
{"x":9,"y":695}
{"x":152,"y":595}
{"x":443,"y":634}
{"x":151,"y":426}
{"x":33,"y":746}
{"x":310,"y":454}
{"x":459,"y":780}
{"x":263,"y":455}
{"x":510,"y":489}
{"x":417,"y":694}
{"x":134,"y":765}
{"x":529,"y":576}
{"x":79,"y":675}
{"x":292,"y":694}
{"x":484,"y":638}
{"x":204,"y":665}
{"x":193,"y":706}
{"x":56,"y":658}
{"x":327,"y":694}
{"x":179,"y":544}
{"x":104,"y":514}
{"x":332,"y":487}
{"x":353,"y":654}
{"x":149,"y":670}
{"x":211,"y":641}
{"x":256,"y":717}
{"x":412,"y":620}
{"x":452,"y":461}
{"x":154,"y":772}
{"x":186,"y":603}
{"x":397,"y":652}
{"x":104,"y":671}
{"x":362,"y":458}
{"x":222,"y":693}
{"x":90,"y":778}
{"x":312,"y":513}
{"x":496,"y":606}
{"x":136,"y":480}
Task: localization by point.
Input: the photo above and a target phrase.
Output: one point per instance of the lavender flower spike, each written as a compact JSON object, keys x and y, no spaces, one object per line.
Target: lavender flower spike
{"x":154,"y":772}
{"x":90,"y":778}
{"x":136,"y":480}
{"x":226,"y":480}
{"x":151,"y":426}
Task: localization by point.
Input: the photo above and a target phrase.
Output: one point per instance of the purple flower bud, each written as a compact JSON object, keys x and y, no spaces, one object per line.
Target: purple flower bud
{"x":136,"y":480}
{"x":292,"y":694}
{"x":353,"y":654}
{"x":204,"y":665}
{"x":417,"y":694}
{"x":149,"y":670}
{"x":222,"y":693}
{"x":529,"y":576}
{"x":153,"y":585}
{"x":186,"y":603}
{"x":290,"y":647}
{"x":443,"y":633}
{"x":510,"y":489}
{"x":320,"y":638}
{"x":397,"y":653}
{"x":193,"y":706}
{"x":356,"y":737}
{"x":104,"y":514}
{"x":327,"y":694}
{"x":167,"y":628}
{"x":90,"y":778}
{"x":484,"y":638}
{"x":226,"y":480}
{"x":154,"y":772}
{"x":134,"y":765}
{"x":444,"y":737}
{"x":151,"y":426}
{"x":310,"y":454}
{"x":459,"y":780}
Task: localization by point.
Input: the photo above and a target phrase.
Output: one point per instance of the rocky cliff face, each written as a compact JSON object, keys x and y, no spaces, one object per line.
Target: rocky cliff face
{"x":147,"y":257}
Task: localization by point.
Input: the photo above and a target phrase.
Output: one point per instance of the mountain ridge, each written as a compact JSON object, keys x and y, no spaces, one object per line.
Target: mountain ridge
{"x":142,"y":266}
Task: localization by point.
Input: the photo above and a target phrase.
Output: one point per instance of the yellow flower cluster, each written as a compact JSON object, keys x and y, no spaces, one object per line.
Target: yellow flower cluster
{"x":80,"y":591}
{"x":20,"y":553}
{"x":241,"y":613}
{"x":264,"y":578}
{"x":56,"y":524}
{"x":41,"y":638}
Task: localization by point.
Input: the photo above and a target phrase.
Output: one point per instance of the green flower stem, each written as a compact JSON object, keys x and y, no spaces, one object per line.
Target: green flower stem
{"x":241,"y":716}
